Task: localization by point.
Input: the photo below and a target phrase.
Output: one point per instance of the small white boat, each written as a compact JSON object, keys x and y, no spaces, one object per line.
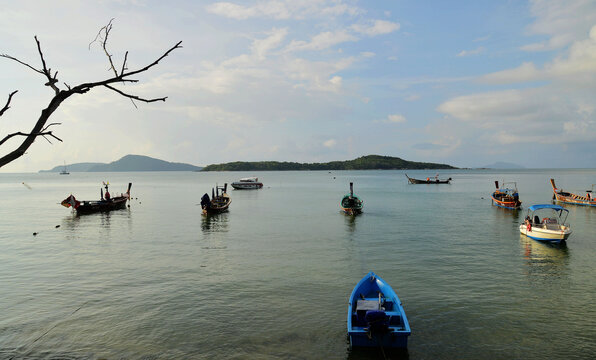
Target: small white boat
{"x":247,"y":184}
{"x":551,"y":227}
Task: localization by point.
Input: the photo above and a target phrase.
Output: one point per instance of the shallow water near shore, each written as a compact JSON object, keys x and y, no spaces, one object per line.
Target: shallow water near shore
{"x":271,"y":278}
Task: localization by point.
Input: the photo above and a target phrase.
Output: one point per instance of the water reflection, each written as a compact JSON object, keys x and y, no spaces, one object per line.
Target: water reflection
{"x":378,"y":353}
{"x":214,"y":223}
{"x":74,"y":222}
{"x":544,"y":259}
{"x":350,"y":221}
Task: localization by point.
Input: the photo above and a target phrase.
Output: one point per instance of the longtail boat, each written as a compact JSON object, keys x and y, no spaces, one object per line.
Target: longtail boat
{"x":218,"y":203}
{"x":429,"y":180}
{"x":350,"y":203}
{"x":506,"y":196}
{"x":376,"y":317}
{"x":106,"y":203}
{"x":571,"y":198}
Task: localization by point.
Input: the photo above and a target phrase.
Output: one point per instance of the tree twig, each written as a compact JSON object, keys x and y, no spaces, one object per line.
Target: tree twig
{"x":7,"y":106}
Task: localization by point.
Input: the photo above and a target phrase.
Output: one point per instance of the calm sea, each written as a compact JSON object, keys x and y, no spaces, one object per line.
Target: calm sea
{"x":271,"y":278}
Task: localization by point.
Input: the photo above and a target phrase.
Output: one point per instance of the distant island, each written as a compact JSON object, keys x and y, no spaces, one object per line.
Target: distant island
{"x":369,"y":162}
{"x":127,"y":163}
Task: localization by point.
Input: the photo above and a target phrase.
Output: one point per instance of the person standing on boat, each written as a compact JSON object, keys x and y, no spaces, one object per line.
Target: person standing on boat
{"x":107,"y":195}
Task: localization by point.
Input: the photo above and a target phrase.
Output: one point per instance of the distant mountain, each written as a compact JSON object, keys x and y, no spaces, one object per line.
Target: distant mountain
{"x":127,"y":163}
{"x":369,"y":162}
{"x":502,"y":165}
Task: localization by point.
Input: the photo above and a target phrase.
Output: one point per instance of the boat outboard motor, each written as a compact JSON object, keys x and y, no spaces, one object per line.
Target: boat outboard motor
{"x":205,"y":202}
{"x":377,"y":322}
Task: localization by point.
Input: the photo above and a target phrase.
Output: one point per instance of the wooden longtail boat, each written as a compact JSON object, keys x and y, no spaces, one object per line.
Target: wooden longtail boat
{"x":376,"y":317}
{"x":552,"y":227}
{"x":429,"y":180}
{"x":570,"y":198}
{"x":218,"y":203}
{"x":506,"y":197}
{"x":102,"y":205}
{"x":350,"y":203}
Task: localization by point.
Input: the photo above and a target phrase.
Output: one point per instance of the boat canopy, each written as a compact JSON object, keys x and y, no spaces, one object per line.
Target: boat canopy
{"x":547,"y":206}
{"x":249,"y":179}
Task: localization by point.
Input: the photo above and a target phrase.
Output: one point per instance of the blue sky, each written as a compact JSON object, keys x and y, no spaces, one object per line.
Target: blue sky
{"x":467,"y":83}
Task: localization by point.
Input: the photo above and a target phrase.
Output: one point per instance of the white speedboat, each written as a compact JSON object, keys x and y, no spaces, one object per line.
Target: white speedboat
{"x":247,"y":184}
{"x":546,"y":223}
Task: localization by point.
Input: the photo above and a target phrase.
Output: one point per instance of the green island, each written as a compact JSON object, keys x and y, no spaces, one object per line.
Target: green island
{"x":369,"y":162}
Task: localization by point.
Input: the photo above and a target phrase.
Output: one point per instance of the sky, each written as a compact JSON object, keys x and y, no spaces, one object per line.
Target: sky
{"x":465,"y":83}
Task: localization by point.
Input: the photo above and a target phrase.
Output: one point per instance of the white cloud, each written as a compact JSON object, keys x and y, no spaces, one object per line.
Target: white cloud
{"x":479,"y":50}
{"x":577,"y":67}
{"x":280,"y":10}
{"x":330,"y":143}
{"x":273,"y":9}
{"x":321,"y":41}
{"x":396,"y":118}
{"x":525,"y":72}
{"x":261,"y":47}
{"x":377,"y":27}
{"x":317,"y":75}
{"x":561,"y":21}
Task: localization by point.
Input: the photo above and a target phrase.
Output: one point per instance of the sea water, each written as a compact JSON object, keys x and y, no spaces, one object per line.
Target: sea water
{"x":271,"y":278}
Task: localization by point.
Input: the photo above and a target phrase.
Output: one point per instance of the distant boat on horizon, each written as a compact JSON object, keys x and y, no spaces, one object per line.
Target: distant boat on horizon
{"x":64,"y":172}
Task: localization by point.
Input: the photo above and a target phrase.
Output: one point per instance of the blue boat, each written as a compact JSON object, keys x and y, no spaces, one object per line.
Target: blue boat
{"x":376,"y":317}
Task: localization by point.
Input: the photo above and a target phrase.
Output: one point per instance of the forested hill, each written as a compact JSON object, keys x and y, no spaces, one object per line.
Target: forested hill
{"x":369,"y":162}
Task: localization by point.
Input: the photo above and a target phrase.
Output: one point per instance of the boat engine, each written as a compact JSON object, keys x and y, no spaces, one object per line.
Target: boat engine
{"x":205,"y":202}
{"x":377,"y":322}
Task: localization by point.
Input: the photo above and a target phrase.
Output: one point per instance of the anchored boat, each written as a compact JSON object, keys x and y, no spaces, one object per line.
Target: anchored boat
{"x":106,"y":203}
{"x":434,"y":180}
{"x":570,"y":198}
{"x":247,"y":184}
{"x":506,"y":196}
{"x":350,"y":203}
{"x":376,"y":317}
{"x":218,"y":203}
{"x":546,"y":222}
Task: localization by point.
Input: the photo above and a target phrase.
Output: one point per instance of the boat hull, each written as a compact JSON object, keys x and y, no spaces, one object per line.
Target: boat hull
{"x":351,"y":204}
{"x":218,"y":205}
{"x":246,"y":186}
{"x":546,"y":235}
{"x":574,"y":200}
{"x":512,"y":205}
{"x":373,"y":296}
{"x":90,"y":207}
{"x":429,"y":181}
{"x":570,"y":198}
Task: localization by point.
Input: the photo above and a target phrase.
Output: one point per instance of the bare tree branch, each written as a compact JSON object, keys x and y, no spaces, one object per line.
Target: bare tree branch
{"x":7,"y":106}
{"x":47,"y":72}
{"x":134,"y":96}
{"x":40,"y":128}
{"x":44,"y":134}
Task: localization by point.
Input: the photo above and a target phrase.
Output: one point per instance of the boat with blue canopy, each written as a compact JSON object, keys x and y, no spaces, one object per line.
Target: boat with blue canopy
{"x":546,"y":222}
{"x":376,"y":317}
